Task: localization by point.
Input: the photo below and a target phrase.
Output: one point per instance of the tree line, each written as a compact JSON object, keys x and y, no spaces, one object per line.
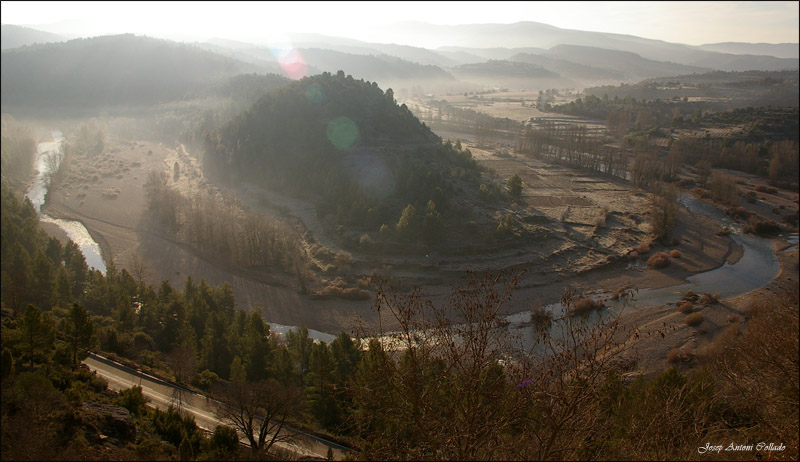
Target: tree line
{"x":572,"y":144}
{"x":443,"y":382}
{"x":485,"y":128}
{"x":16,"y":148}
{"x":218,"y":225}
{"x":766,"y":144}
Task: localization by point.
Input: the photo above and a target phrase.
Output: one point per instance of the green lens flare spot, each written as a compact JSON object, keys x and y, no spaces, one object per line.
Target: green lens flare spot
{"x":314,"y":93}
{"x":342,"y":132}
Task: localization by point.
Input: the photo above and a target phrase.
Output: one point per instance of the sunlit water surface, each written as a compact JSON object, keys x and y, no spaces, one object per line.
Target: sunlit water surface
{"x":49,"y":157}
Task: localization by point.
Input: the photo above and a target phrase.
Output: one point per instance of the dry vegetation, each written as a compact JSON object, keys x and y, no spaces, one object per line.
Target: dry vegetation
{"x":576,"y":398}
{"x":566,"y":221}
{"x":758,"y":368}
{"x":559,"y":200}
{"x":658,"y":260}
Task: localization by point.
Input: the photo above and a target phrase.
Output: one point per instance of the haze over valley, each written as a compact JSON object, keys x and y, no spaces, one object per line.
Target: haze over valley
{"x":397,"y":233}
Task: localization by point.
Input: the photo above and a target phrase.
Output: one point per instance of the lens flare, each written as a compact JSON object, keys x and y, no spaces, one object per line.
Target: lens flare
{"x":289,"y":57}
{"x":293,"y":65}
{"x":342,"y":132}
{"x":314,"y":93}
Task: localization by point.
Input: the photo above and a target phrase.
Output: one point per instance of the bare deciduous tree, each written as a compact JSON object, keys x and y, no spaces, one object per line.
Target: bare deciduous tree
{"x":138,"y":267}
{"x":449,"y":383}
{"x":162,"y":199}
{"x":441,"y":374}
{"x":183,"y":362}
{"x":663,"y":210}
{"x":52,"y":161}
{"x":561,"y":381}
{"x":259,"y":411}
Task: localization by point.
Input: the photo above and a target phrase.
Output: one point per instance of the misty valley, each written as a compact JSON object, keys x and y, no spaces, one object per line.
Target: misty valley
{"x":531,"y":243}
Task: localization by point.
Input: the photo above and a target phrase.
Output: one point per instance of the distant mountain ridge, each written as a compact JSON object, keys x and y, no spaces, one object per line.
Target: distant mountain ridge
{"x":475,"y":43}
{"x":380,"y":67}
{"x":726,"y":56}
{"x":510,"y":74}
{"x":363,"y":62}
{"x":129,"y":69}
{"x":503,"y":67}
{"x":571,"y":70}
{"x":631,"y":64}
{"x":778,"y":50}
{"x":533,"y":34}
{"x":19,"y":36}
{"x":109,"y":71}
{"x":479,"y":43}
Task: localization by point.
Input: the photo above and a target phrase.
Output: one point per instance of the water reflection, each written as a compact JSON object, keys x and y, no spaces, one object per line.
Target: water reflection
{"x":49,"y":157}
{"x":758,"y":266}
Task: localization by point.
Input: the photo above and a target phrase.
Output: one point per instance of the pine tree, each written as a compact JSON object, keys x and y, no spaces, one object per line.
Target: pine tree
{"x":514,"y":186}
{"x":79,"y":332}
{"x":238,"y":370}
{"x":185,"y":450}
{"x":320,"y":387}
{"x":7,"y":362}
{"x":38,"y":333}
{"x":432,"y":225}
{"x":256,"y":346}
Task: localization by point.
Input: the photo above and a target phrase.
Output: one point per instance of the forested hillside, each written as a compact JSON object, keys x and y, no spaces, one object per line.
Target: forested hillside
{"x":83,"y":74}
{"x":342,"y":142}
{"x":18,"y":36}
{"x":243,"y":89}
{"x":425,"y":397}
{"x":718,"y":90}
{"x":632,"y":65}
{"x":570,"y":70}
{"x":375,"y":67}
{"x":493,"y":68}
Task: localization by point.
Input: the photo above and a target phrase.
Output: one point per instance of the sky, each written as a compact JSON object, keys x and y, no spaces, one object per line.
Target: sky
{"x":692,"y":23}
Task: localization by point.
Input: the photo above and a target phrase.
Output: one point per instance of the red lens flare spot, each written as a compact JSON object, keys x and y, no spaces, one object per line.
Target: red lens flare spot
{"x":293,"y":64}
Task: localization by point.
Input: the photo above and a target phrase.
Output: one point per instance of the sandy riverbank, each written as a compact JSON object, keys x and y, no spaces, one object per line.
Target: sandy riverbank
{"x":106,"y":194}
{"x":651,"y":348}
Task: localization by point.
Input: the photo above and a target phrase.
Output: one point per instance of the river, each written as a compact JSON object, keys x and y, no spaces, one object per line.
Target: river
{"x":48,"y":158}
{"x":756,"y":268}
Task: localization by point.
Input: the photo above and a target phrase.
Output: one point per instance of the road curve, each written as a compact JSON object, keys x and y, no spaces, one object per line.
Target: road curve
{"x":162,"y":394}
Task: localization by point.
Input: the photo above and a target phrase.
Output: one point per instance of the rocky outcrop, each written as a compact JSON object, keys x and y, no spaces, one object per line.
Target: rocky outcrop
{"x":108,"y":419}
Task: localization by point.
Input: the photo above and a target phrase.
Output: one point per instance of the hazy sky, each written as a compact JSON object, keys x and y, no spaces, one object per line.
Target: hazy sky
{"x":693,"y":23}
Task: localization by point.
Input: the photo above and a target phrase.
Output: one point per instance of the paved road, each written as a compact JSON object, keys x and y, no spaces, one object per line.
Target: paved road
{"x":163,"y":394}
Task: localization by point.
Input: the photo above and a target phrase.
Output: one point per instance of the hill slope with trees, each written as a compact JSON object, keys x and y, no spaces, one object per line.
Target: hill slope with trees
{"x":18,"y":36}
{"x":576,"y":401}
{"x":108,"y":71}
{"x":343,"y":143}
